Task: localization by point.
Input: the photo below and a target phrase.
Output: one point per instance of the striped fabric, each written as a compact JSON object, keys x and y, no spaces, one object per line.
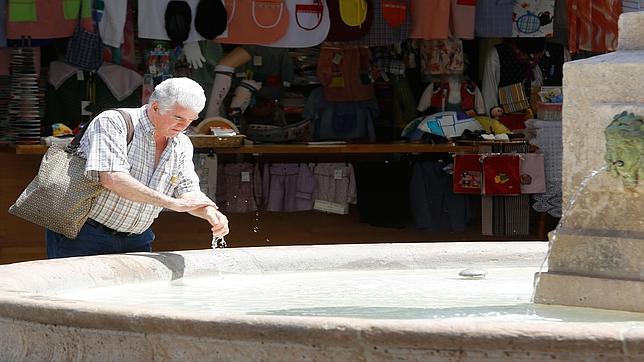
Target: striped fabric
{"x":512,"y":98}
{"x":104,"y":145}
{"x":632,"y":5}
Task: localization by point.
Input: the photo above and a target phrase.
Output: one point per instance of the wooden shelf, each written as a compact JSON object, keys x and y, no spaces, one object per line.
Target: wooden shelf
{"x":348,"y":148}
{"x":303,"y":149}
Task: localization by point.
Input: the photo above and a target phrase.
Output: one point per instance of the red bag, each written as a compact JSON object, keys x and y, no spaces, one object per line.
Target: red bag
{"x":467,"y":174}
{"x":501,"y":175}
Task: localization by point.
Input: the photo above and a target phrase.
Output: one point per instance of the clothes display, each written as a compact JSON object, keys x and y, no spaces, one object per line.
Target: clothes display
{"x":353,"y":74}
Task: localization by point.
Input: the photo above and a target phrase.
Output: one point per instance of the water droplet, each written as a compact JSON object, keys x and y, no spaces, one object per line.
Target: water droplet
{"x":267,"y":240}
{"x":255,"y":229}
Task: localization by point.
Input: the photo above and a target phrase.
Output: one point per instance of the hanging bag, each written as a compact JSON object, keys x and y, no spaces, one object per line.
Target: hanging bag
{"x":85,"y":48}
{"x":60,"y":197}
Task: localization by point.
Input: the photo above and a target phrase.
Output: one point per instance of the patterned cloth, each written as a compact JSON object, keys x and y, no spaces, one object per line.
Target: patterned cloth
{"x":105,"y":147}
{"x":593,"y":25}
{"x":382,"y":32}
{"x":533,"y":18}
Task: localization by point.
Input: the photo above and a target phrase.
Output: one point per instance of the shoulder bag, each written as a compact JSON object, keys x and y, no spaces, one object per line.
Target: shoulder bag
{"x":60,"y":197}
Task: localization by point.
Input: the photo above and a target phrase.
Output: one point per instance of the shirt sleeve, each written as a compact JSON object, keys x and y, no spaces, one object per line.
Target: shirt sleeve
{"x":188,"y":181}
{"x":491,"y":79}
{"x":105,"y":145}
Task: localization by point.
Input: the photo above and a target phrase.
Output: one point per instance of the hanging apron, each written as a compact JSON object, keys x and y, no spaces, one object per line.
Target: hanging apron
{"x":309,"y":24}
{"x":350,"y":19}
{"x":261,"y":22}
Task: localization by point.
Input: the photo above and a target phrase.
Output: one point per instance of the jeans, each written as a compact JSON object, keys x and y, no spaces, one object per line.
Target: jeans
{"x":93,"y":241}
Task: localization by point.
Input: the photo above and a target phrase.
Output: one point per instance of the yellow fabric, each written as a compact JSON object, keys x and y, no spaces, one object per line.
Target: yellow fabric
{"x":22,"y":10}
{"x":353,"y":12}
{"x":71,"y":7}
{"x":59,"y":130}
{"x":492,"y":125}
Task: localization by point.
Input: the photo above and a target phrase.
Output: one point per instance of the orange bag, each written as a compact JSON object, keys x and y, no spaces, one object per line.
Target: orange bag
{"x":255,"y":22}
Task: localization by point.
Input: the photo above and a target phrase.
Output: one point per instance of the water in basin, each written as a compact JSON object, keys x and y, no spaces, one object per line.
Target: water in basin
{"x":503,"y":295}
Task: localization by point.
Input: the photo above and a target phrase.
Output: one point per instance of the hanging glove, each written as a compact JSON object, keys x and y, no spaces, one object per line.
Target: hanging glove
{"x":193,"y":55}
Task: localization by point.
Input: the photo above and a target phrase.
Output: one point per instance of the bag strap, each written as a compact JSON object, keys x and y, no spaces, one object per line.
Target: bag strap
{"x":128,"y":122}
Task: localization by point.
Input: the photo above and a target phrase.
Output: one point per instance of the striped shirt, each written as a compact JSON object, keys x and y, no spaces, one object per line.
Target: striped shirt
{"x":105,"y":147}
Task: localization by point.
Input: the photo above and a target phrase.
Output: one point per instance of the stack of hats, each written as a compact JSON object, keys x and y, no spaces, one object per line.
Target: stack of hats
{"x":24,"y":102}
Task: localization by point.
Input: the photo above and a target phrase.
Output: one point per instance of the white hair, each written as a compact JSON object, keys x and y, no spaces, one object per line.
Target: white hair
{"x":184,"y":92}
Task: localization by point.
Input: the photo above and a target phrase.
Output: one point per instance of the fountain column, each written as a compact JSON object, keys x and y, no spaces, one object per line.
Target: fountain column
{"x":597,"y":254}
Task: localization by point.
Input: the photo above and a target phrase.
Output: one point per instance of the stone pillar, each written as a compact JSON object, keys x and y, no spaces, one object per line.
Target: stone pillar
{"x":597,"y":256}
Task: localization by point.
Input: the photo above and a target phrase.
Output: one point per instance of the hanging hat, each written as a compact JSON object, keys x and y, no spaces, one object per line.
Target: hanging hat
{"x":210,"y":18}
{"x":178,"y":17}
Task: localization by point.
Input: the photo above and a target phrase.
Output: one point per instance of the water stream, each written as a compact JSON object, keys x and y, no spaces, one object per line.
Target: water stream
{"x":564,"y":215}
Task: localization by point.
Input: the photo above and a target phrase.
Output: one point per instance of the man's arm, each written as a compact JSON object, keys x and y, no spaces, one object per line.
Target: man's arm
{"x":126,"y":186}
{"x":210,"y":213}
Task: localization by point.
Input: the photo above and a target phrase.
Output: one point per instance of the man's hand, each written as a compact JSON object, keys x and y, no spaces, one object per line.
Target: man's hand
{"x":218,"y":221}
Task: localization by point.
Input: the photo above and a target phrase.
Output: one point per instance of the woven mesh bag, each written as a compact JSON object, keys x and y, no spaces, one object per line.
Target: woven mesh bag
{"x":60,"y":196}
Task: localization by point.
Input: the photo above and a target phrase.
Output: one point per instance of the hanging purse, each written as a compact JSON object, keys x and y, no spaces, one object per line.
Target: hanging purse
{"x":60,"y":197}
{"x":85,"y":48}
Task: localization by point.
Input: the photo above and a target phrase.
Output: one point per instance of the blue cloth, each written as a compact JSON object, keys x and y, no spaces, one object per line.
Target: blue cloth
{"x":494,"y":18}
{"x":94,"y":241}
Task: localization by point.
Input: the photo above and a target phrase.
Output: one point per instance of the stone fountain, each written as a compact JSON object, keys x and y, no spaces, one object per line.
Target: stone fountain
{"x":597,"y":252}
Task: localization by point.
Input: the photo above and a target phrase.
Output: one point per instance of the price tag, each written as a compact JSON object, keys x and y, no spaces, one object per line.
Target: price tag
{"x":257,"y":60}
{"x":245,"y":176}
{"x":337,"y":58}
{"x":337,"y":174}
{"x":80,"y":75}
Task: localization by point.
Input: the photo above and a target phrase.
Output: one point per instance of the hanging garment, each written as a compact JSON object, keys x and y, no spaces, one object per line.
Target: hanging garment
{"x":463,"y":13}
{"x":391,"y":23}
{"x":272,"y":67}
{"x":288,"y":187}
{"x":309,"y":24}
{"x":467,"y":174}
{"x":341,"y":120}
{"x":501,"y":175}
{"x":532,"y":173}
{"x":206,"y":169}
{"x":434,"y":206}
{"x":255,"y":22}
{"x":45,"y":19}
{"x":494,"y":18}
{"x":442,"y":56}
{"x":533,"y":18}
{"x":345,"y":73}
{"x":239,"y":187}
{"x":350,"y":19}
{"x":592,"y":25}
{"x":112,"y":22}
{"x":430,"y":19}
{"x":336,"y":187}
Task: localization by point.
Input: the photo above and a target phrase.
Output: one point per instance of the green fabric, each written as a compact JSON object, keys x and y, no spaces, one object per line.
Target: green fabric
{"x":22,"y":10}
{"x":71,"y":8}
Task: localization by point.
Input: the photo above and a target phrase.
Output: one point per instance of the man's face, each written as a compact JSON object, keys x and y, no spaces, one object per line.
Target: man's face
{"x":173,"y":122}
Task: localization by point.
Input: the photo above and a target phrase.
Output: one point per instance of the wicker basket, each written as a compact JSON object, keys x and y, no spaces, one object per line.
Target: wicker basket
{"x":209,"y":141}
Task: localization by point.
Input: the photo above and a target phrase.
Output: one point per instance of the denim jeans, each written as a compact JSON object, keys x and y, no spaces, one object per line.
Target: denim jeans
{"x":93,"y":241}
